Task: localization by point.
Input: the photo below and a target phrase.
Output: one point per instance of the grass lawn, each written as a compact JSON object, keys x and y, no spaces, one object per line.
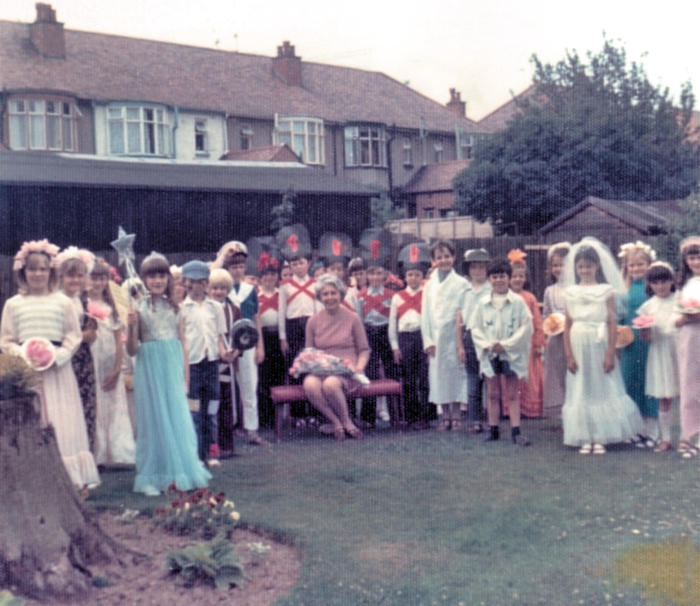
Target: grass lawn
{"x":444,"y":518}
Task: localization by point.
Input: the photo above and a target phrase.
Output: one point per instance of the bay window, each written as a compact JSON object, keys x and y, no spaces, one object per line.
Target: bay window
{"x":139,"y":130}
{"x":42,"y":124}
{"x":304,"y":136}
{"x":365,"y":146}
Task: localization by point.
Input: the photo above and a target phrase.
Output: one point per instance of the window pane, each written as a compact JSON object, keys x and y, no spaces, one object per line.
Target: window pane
{"x":51,"y":107}
{"x":298,"y":127}
{"x":133,"y":113}
{"x":376,"y":160}
{"x":299,"y":146}
{"x":311,"y":127}
{"x":148,"y":114}
{"x":364,"y":152}
{"x":18,"y":132}
{"x":285,"y":138}
{"x":349,"y":153}
{"x":115,"y":112}
{"x":116,"y":137}
{"x":37,"y":132}
{"x":134,"y":137}
{"x":66,"y":109}
{"x":68,"y":134}
{"x":53,"y":130}
{"x":149,"y":139}
{"x":161,"y":140}
{"x":312,"y":150}
{"x":18,"y":106}
{"x":36,"y":106}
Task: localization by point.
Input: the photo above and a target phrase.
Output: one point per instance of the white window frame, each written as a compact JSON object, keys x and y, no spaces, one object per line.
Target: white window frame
{"x":365,"y":146}
{"x":246,"y":137}
{"x":32,"y":118}
{"x":466,"y":146}
{"x":149,"y":123}
{"x":201,"y":133}
{"x":305,"y":136}
{"x":437,"y":149}
{"x":407,"y":152}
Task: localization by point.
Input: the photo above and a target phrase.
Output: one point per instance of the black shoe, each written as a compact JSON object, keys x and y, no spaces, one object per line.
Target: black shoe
{"x":521,"y":440}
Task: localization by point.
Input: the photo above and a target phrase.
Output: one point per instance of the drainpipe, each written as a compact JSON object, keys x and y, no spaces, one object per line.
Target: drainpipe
{"x":390,"y":173}
{"x":93,"y":107}
{"x":175,"y":127}
{"x":3,"y":110}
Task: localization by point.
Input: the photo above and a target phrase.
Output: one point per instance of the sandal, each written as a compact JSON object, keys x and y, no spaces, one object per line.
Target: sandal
{"x":663,"y":446}
{"x":354,"y":433}
{"x":338,"y":434}
{"x":456,"y":425}
{"x":585,"y":449}
{"x":444,"y":425}
{"x":687,"y":450}
{"x":598,"y":449}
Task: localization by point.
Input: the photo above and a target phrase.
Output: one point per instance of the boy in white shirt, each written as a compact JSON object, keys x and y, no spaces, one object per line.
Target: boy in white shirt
{"x":501,"y":326}
{"x":203,"y":324}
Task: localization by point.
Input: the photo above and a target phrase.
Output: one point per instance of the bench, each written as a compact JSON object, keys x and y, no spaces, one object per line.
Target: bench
{"x":282,"y":395}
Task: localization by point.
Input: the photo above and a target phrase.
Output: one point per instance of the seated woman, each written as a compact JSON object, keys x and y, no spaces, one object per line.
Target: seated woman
{"x":339,"y":332}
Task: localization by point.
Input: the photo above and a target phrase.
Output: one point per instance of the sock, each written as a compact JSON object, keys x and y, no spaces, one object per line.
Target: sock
{"x":665,"y":424}
{"x":514,"y":431}
{"x":494,"y":432}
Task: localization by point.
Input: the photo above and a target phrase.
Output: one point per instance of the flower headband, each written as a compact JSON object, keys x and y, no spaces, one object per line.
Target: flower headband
{"x":637,"y":246}
{"x":690,"y":241}
{"x":113,"y":273}
{"x":73,"y":252}
{"x":517,"y":256}
{"x":35,"y":246}
{"x":558,"y":246}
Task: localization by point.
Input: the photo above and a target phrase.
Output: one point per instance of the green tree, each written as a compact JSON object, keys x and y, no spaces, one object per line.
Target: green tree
{"x":383,"y":210}
{"x":283,"y":213}
{"x":595,"y":127}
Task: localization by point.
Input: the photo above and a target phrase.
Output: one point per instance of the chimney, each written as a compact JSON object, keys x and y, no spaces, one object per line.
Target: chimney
{"x":287,"y":65}
{"x":47,"y":34}
{"x":456,"y":105}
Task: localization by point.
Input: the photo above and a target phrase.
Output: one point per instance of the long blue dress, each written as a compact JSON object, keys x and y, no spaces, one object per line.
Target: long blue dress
{"x":166,"y":445}
{"x":634,"y":356}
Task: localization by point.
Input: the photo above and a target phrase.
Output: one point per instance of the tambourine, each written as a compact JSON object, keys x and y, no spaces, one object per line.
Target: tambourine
{"x":244,"y":335}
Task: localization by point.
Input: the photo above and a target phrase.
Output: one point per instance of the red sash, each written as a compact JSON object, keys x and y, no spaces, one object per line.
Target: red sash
{"x":409,"y":302}
{"x":298,"y":289}
{"x":266,"y":302}
{"x":377,"y":303}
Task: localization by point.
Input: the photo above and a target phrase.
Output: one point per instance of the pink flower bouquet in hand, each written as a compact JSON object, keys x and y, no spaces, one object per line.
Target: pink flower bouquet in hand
{"x":314,"y":361}
{"x":39,"y":353}
{"x":689,"y":305}
{"x":643,"y":321}
{"x":98,"y":311}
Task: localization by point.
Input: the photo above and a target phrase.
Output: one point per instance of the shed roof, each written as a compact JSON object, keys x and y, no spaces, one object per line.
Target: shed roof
{"x":435,"y":177}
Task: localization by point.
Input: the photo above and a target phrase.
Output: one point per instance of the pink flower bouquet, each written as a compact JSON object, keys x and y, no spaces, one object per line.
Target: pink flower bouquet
{"x":554,"y":324}
{"x":643,"y":321}
{"x":314,"y":361}
{"x":39,"y":353}
{"x":689,"y":305}
{"x":98,"y":311}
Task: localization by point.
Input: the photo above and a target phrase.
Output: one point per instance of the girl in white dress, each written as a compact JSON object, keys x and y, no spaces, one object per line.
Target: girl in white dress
{"x":597,"y":409}
{"x":41,"y":312}
{"x":662,"y":361}
{"x":114,"y":436}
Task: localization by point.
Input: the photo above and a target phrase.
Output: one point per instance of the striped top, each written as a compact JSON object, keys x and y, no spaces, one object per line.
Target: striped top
{"x":51,"y":317}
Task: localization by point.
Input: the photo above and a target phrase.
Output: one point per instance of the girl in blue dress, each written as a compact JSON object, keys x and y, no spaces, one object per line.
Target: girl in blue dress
{"x":166,"y":445}
{"x":635,"y":258}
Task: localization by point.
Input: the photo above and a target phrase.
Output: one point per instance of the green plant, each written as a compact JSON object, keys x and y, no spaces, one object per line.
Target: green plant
{"x":283,"y":213}
{"x":17,"y":378}
{"x":213,"y":562}
{"x":7,"y":598}
{"x":201,"y":513}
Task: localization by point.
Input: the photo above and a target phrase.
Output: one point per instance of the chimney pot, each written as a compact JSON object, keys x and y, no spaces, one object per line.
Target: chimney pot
{"x":286,"y":65}
{"x":456,"y":105}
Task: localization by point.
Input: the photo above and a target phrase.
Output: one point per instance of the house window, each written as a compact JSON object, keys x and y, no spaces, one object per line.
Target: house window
{"x":139,"y":130}
{"x":437,"y":149}
{"x":42,"y":124}
{"x":429,"y":213}
{"x":407,"y":153}
{"x":200,"y":137}
{"x":305,"y":137}
{"x":365,"y":146}
{"x":246,"y":137}
{"x":466,"y":145}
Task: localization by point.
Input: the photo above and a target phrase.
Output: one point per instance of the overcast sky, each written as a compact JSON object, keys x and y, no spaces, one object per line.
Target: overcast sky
{"x":480,"y":48}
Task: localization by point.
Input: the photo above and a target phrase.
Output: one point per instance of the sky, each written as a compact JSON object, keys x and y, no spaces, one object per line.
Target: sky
{"x":481,"y":49}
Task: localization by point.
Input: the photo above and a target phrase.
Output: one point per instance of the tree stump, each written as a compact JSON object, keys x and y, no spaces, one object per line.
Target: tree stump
{"x":47,"y":537}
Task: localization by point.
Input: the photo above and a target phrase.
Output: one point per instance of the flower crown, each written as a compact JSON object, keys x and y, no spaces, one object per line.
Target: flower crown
{"x":113,"y":273}
{"x":637,"y":246}
{"x":516,"y":256}
{"x":73,"y":252}
{"x":35,"y":246}
{"x":690,"y":241}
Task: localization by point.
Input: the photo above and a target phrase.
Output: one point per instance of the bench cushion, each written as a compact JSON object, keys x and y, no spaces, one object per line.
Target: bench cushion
{"x":295,"y":393}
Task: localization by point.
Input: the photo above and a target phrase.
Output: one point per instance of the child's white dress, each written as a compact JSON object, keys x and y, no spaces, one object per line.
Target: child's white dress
{"x":114,"y":436}
{"x":597,"y":407}
{"x":662,"y":362}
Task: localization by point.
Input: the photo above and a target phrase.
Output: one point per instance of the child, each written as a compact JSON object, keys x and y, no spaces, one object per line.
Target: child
{"x":73,"y":266}
{"x":530,"y":389}
{"x":358,"y":274}
{"x":201,"y":320}
{"x":635,"y":258}
{"x":597,"y":409}
{"x":662,"y":360}
{"x":443,"y":294}
{"x":114,"y":436}
{"x":166,"y":445}
{"x":373,"y":307}
{"x":688,"y":345}
{"x":554,"y":358}
{"x":179,"y":288}
{"x":220,"y":284}
{"x":474,"y":266}
{"x":272,"y":370}
{"x":245,"y":297}
{"x":335,"y":249}
{"x":501,"y":327}
{"x":41,"y":312}
{"x":405,"y":337}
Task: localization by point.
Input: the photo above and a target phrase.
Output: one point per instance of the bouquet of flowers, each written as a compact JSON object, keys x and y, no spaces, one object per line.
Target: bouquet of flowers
{"x":689,"y":305}
{"x":39,"y":353}
{"x":554,"y":324}
{"x":98,"y":311}
{"x":643,"y":321}
{"x":314,"y":361}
